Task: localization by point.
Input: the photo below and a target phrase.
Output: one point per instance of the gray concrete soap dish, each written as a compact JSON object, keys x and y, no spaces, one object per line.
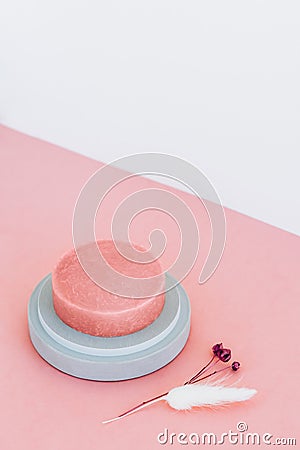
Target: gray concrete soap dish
{"x":108,"y":358}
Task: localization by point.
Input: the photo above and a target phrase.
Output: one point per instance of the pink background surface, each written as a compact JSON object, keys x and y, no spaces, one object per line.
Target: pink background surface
{"x":251,"y":304}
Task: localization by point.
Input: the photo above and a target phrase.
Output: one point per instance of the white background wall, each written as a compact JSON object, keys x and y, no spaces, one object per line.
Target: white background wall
{"x":215,"y":82}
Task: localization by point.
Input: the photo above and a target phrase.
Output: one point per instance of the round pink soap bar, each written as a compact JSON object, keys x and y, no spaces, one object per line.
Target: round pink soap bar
{"x":86,"y":307}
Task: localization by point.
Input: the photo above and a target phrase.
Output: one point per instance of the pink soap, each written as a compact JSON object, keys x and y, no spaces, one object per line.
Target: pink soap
{"x":86,"y":307}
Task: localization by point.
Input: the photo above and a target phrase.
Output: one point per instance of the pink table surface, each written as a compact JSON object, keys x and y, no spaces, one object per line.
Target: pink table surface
{"x":251,"y":304}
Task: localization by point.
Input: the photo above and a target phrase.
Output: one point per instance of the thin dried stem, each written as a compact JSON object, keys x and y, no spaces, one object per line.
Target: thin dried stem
{"x":137,"y":407}
{"x":211,"y":374}
{"x":192,"y":380}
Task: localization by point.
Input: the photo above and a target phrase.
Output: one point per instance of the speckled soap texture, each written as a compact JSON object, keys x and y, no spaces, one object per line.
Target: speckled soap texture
{"x":86,"y":307}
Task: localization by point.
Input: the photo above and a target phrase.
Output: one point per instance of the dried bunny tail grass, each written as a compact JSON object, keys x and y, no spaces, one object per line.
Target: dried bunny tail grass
{"x":195,"y":395}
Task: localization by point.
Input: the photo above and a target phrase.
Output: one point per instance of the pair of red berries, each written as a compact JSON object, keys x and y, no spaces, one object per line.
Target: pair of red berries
{"x":222,"y":354}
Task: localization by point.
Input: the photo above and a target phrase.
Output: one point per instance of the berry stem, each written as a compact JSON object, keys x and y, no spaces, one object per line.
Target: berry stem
{"x":193,"y":379}
{"x":211,"y":374}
